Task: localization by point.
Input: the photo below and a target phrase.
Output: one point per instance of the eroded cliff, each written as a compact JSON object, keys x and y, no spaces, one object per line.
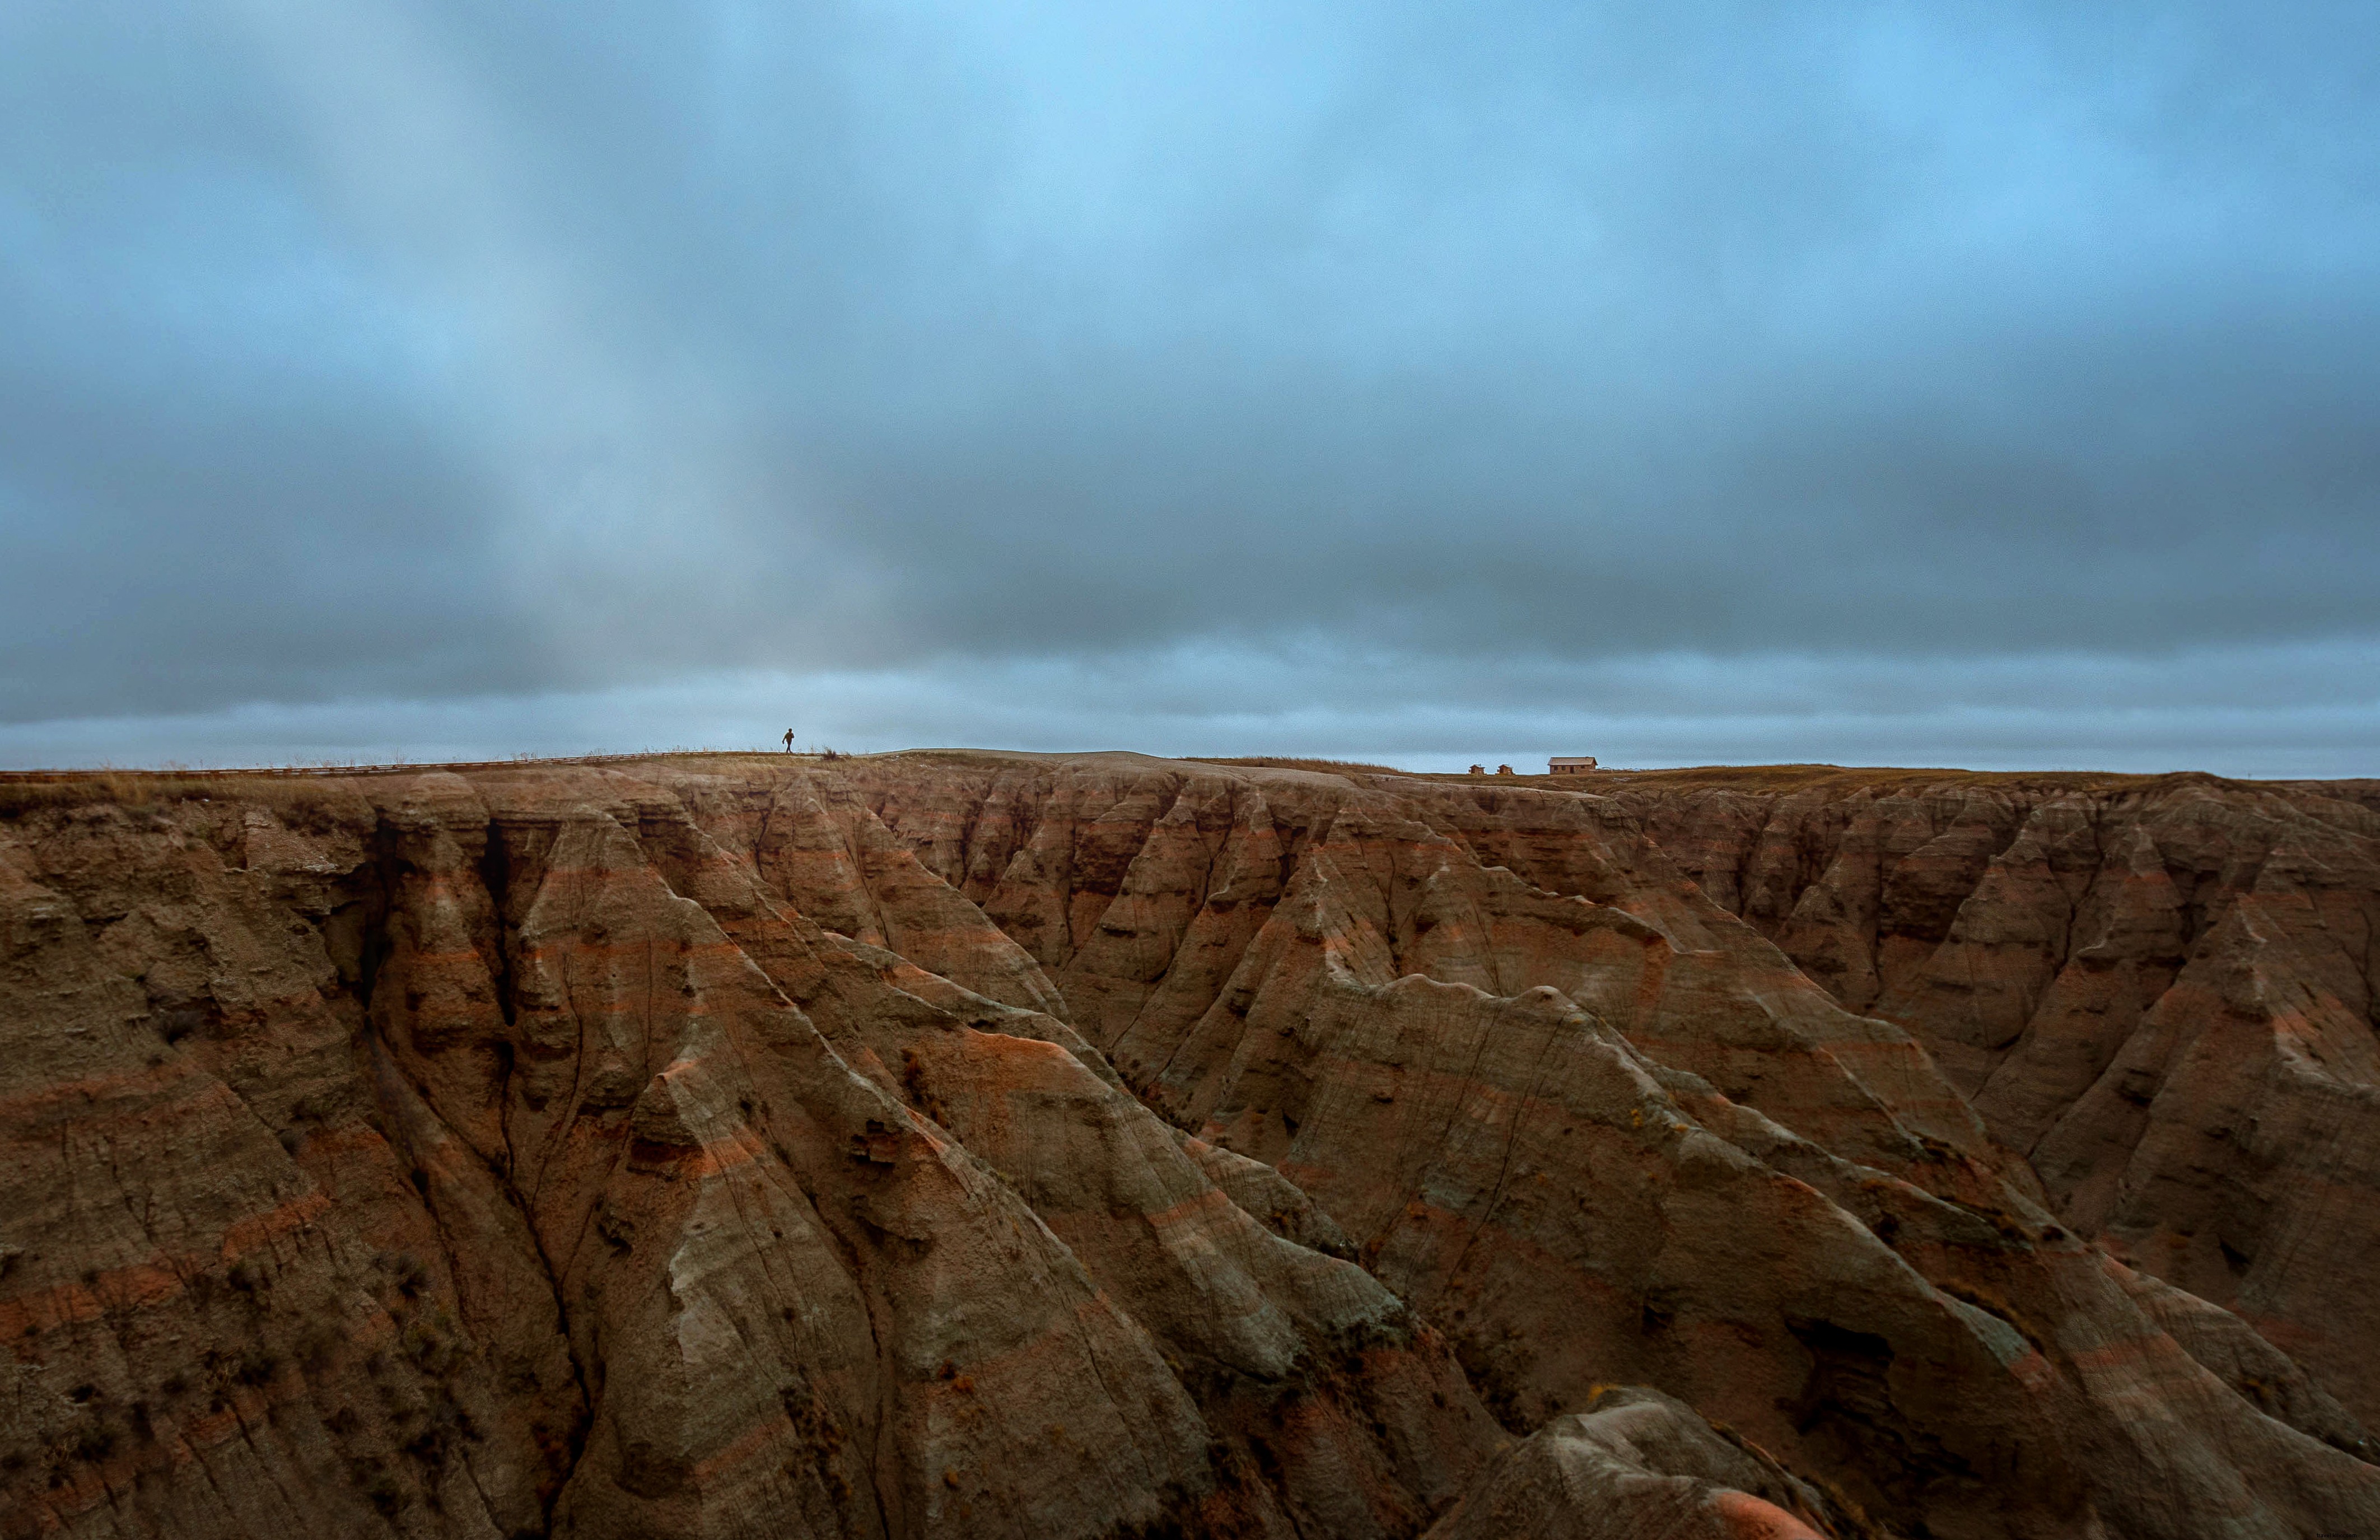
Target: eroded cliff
{"x":998,"y":1144}
{"x":2160,"y":991}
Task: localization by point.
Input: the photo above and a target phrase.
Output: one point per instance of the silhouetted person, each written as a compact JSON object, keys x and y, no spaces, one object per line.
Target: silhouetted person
{"x":789,"y":740}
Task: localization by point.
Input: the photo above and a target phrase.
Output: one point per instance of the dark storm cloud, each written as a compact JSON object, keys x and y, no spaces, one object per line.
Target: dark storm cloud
{"x":383,"y":351}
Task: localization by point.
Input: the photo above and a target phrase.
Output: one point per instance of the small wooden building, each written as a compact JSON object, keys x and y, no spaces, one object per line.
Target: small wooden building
{"x":1577,"y":764}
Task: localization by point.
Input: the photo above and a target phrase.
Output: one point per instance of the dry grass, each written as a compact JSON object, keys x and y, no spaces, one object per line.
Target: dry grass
{"x":23,"y":792}
{"x":1784,"y":778}
{"x":31,"y":793}
{"x":1781,"y":779}
{"x":1320,"y":766}
{"x":278,"y":786}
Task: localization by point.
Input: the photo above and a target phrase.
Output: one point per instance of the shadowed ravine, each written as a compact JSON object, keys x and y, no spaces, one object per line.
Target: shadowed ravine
{"x":970,"y":1144}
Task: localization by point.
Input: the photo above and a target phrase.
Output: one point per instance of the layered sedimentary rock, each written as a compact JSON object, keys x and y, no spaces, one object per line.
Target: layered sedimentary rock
{"x":993,"y":1145}
{"x":2160,"y":991}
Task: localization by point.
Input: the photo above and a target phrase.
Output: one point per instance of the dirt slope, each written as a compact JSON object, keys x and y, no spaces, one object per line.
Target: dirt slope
{"x":1003,"y":1146}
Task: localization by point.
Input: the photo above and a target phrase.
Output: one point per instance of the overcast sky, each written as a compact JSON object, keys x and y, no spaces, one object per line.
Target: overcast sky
{"x":1991,"y":384}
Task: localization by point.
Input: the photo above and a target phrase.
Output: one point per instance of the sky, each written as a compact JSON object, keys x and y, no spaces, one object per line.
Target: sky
{"x":1993,"y":386}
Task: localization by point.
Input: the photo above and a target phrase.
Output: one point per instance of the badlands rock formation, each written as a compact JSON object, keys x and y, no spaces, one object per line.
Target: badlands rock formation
{"x":983,"y":1144}
{"x":2160,"y":992}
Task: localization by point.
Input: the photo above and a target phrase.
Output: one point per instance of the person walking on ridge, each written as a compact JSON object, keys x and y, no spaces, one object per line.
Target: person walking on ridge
{"x":789,"y":740}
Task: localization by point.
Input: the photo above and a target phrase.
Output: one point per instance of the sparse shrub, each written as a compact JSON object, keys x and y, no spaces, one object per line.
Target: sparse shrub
{"x":427,"y":1448}
{"x":913,"y":1086}
{"x":95,"y":1441}
{"x":386,"y":1494}
{"x":428,"y":1347}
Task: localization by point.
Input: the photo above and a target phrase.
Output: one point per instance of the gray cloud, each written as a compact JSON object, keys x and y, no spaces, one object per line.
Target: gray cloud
{"x":374,"y":354}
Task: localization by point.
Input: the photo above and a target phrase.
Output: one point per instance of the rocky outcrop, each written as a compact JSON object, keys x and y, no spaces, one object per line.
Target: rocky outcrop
{"x":1637,"y":1465}
{"x":2160,"y":990}
{"x":993,"y":1144}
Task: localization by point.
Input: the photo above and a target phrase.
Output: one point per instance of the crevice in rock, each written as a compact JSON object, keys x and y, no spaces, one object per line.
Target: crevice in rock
{"x":495,"y":874}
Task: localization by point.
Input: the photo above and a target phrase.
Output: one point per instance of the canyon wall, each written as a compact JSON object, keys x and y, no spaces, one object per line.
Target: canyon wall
{"x":2159,"y":991}
{"x":999,"y":1144}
